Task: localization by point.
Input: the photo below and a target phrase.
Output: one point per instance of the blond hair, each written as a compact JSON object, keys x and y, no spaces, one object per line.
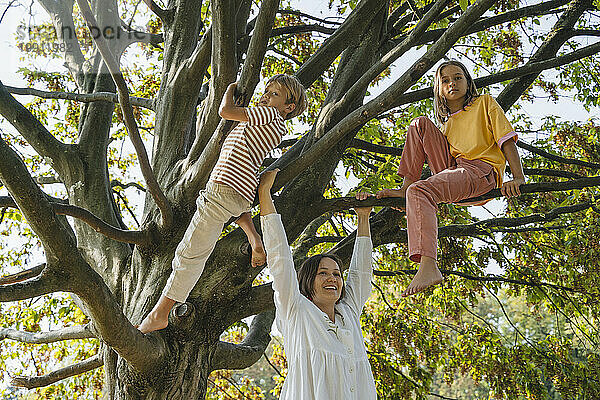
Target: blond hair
{"x":440,"y":106}
{"x":295,"y":93}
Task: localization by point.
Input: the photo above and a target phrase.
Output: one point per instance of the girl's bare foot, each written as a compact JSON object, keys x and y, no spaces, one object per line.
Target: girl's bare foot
{"x":427,"y":275}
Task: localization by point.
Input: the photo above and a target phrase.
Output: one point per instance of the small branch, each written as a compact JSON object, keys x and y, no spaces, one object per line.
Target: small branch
{"x":415,"y":8}
{"x":60,"y":374}
{"x":375,"y":148}
{"x":69,"y":333}
{"x":295,"y":29}
{"x":23,"y":275}
{"x":156,"y":9}
{"x":245,"y":354}
{"x":284,"y":54}
{"x":38,"y":286}
{"x":114,"y":183}
{"x":553,"y":157}
{"x":301,"y":14}
{"x":82,"y":98}
{"x":485,"y":278}
{"x":120,"y":235}
{"x":157,"y":194}
{"x":585,"y":32}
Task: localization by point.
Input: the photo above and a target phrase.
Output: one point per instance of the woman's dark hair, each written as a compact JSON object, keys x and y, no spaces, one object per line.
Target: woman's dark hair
{"x":308,"y":272}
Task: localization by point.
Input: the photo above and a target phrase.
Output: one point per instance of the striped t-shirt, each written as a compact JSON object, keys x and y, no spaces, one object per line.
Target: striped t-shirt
{"x":245,"y":148}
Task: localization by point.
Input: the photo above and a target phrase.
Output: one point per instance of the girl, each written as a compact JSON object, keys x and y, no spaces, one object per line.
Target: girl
{"x":317,"y":314}
{"x":467,"y":158}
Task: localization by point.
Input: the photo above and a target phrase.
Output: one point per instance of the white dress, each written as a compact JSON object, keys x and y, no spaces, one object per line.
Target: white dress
{"x":326,"y":360}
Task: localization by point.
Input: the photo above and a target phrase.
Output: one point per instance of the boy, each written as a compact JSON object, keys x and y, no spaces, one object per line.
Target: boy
{"x":230,"y":188}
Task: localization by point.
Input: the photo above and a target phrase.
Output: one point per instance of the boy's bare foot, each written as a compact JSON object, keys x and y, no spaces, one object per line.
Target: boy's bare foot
{"x":259,"y":257}
{"x":158,"y":318}
{"x":153,"y":323}
{"x":427,"y":275}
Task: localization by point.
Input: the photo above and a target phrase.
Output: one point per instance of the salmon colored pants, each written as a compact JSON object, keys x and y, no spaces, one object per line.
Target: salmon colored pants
{"x":452,"y":180}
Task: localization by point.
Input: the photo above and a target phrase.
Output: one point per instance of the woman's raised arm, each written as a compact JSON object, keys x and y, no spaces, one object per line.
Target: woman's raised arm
{"x":279,"y":254}
{"x":361,"y":271}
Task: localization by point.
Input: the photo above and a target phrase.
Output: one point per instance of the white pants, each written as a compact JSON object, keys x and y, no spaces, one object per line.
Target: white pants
{"x":214,"y":207}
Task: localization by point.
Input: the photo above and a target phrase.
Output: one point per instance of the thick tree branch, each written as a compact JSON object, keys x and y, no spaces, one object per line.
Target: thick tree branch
{"x":526,"y":69}
{"x":301,"y":14}
{"x":68,"y":333}
{"x":80,"y":97}
{"x":375,"y":148}
{"x":495,"y":20}
{"x":210,"y":128}
{"x":357,"y":21}
{"x":249,"y":351}
{"x":256,"y":50}
{"x":345,"y":203}
{"x":548,"y":50}
{"x":114,"y":183}
{"x":394,"y":54}
{"x":68,"y":271}
{"x":153,"y":187}
{"x":23,"y":275}
{"x":60,"y":374}
{"x":197,"y":174}
{"x":385,"y":99}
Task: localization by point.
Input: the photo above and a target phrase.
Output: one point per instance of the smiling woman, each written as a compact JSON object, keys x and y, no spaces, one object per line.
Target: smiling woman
{"x":317,"y":314}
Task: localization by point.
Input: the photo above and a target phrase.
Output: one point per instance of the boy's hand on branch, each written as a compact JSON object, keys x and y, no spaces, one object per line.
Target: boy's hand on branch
{"x":235,"y":95}
{"x":512,"y":188}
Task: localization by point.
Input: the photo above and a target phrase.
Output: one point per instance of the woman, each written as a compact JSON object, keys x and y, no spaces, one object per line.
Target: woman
{"x":319,"y":318}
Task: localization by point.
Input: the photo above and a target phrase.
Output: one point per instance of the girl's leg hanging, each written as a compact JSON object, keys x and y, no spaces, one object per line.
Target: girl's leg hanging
{"x":424,"y":142}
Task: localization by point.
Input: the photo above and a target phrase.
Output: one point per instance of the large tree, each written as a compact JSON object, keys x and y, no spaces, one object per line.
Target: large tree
{"x":116,"y":273}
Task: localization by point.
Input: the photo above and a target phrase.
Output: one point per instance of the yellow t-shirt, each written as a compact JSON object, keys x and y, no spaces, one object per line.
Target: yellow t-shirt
{"x":474,"y":132}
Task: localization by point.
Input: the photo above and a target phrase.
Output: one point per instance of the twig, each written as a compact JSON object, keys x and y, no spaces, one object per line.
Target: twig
{"x":80,"y":97}
{"x":22,"y":276}
{"x":156,"y":9}
{"x":120,"y":235}
{"x":68,"y":333}
{"x":60,"y":374}
{"x":272,"y":365}
{"x":485,"y":278}
{"x":555,"y":157}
